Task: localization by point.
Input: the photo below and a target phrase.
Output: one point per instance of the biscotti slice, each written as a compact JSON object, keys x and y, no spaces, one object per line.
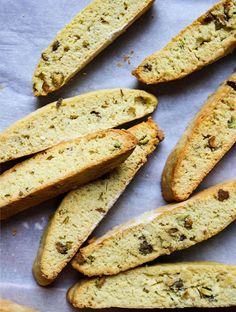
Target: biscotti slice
{"x":91,"y":31}
{"x":160,"y":232}
{"x":174,"y":285}
{"x":82,"y":209}
{"x":205,"y":141}
{"x":10,"y":306}
{"x":61,"y":168}
{"x":70,"y":118}
{"x":209,"y":38}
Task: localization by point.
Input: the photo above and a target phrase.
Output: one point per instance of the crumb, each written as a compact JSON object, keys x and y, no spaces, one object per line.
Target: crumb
{"x":13,"y":232}
{"x":119,"y":64}
{"x":26,"y":225}
{"x":84,"y":73}
{"x":126,"y":58}
{"x":38,"y":226}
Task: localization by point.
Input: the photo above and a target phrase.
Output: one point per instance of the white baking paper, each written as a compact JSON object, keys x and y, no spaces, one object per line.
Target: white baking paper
{"x":27,"y":27}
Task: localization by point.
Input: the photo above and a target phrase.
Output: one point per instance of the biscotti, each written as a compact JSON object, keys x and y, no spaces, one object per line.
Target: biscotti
{"x":160,"y":232}
{"x":70,"y":118}
{"x":10,"y":306}
{"x":209,"y":38}
{"x":82,"y":39}
{"x":206,"y":140}
{"x":174,"y":285}
{"x":82,"y":209}
{"x":61,"y":168}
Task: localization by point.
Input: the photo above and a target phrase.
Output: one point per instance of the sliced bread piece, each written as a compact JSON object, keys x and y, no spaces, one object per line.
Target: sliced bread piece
{"x":91,"y":31}
{"x":160,"y":232}
{"x":82,"y":209}
{"x":10,"y":306}
{"x":61,"y":168}
{"x":174,"y":285}
{"x":70,"y":118}
{"x":209,"y":38}
{"x":206,"y":140}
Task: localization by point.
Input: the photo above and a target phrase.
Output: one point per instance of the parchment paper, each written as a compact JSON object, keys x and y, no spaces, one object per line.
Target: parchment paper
{"x":27,"y":27}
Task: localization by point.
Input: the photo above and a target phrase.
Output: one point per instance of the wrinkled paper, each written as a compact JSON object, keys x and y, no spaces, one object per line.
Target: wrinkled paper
{"x":27,"y":27}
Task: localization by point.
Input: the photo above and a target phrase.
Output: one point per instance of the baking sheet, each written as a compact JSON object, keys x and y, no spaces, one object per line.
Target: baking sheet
{"x":27,"y":27}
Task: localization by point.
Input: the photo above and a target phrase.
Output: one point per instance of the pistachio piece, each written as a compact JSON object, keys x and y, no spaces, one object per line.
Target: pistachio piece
{"x":57,"y":79}
{"x":59,"y":102}
{"x":222,"y":195}
{"x":231,"y":123}
{"x":55,"y":45}
{"x":61,"y":248}
{"x":100,"y":282}
{"x":80,"y":259}
{"x":45,"y":87}
{"x":144,"y":247}
{"x":44,"y":56}
{"x":147,"y":67}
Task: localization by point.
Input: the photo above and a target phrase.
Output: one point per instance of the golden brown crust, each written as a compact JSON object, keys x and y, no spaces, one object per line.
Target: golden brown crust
{"x":10,"y":306}
{"x":173,"y":168}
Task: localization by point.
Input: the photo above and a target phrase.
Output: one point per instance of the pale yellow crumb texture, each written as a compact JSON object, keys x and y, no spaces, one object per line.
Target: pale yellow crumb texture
{"x":176,"y":285}
{"x":82,"y":209}
{"x":210,"y":37}
{"x":70,"y":118}
{"x":160,"y":232}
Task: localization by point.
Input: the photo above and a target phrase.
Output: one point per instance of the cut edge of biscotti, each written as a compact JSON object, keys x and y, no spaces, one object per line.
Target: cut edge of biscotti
{"x":205,"y":141}
{"x":62,"y":168}
{"x":69,"y":118}
{"x":82,"y":209}
{"x":160,"y":232}
{"x":91,"y":31}
{"x":206,"y":40}
{"x":173,"y":285}
{"x":10,"y":306}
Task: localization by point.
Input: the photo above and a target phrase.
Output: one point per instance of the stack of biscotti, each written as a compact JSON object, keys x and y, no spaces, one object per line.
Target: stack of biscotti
{"x":62,"y":168}
{"x":160,"y":232}
{"x":210,"y":37}
{"x":207,"y":139}
{"x":70,"y":118}
{"x":177,"y":285}
{"x":82,"y":209}
{"x":82,"y":39}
